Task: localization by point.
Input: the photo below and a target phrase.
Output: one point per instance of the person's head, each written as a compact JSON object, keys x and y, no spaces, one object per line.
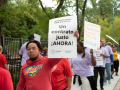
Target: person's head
{"x":34,"y":49}
{"x":82,"y":41}
{"x":103,"y":41}
{"x":1,"y":49}
{"x":114,"y":49}
{"x":31,"y":37}
{"x":80,"y":48}
{"x":45,"y":50}
{"x":109,"y":43}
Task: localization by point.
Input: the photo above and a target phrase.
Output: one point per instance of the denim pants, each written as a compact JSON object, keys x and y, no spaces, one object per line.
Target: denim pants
{"x":108,"y":70}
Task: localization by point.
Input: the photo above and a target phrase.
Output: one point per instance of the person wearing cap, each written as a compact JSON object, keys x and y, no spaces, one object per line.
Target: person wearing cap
{"x":23,"y":51}
{"x":112,"y":66}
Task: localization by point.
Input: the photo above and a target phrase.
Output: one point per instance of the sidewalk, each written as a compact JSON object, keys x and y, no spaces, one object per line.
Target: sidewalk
{"x":115,"y":83}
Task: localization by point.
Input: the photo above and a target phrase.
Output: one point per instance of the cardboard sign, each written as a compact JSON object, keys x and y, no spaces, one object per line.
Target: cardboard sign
{"x":92,"y":35}
{"x":99,"y":58}
{"x":62,"y":42}
{"x":37,"y":37}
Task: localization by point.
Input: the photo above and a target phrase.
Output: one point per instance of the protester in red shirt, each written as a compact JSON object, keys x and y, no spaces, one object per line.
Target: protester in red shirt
{"x":3,"y":61}
{"x":62,"y":75}
{"x":5,"y":80}
{"x":36,"y":72}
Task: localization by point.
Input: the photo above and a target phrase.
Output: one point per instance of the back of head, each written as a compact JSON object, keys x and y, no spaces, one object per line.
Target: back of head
{"x":31,"y":37}
{"x":109,"y":43}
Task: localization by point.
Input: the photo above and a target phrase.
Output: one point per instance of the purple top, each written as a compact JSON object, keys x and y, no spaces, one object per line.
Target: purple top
{"x":88,"y":51}
{"x":105,"y":52}
{"x":24,"y":54}
{"x":110,"y":52}
{"x":82,"y":66}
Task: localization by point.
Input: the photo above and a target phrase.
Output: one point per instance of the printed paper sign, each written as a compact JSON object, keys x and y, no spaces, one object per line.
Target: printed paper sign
{"x":37,"y":37}
{"x":91,"y":35}
{"x":99,"y":58}
{"x":62,"y":42}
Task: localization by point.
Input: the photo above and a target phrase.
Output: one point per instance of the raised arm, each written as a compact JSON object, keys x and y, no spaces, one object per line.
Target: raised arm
{"x":22,"y":81}
{"x":54,"y":61}
{"x":93,"y":61}
{"x":6,"y":67}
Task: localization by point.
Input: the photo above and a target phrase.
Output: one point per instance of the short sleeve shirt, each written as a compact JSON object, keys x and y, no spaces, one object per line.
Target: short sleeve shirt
{"x":109,"y":49}
{"x":105,"y":52}
{"x":82,"y":66}
{"x":2,"y":60}
{"x":59,"y":74}
{"x":24,"y":54}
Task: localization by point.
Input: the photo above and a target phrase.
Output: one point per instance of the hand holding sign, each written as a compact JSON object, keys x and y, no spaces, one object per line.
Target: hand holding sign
{"x":76,"y":34}
{"x":62,"y":43}
{"x":91,"y":51}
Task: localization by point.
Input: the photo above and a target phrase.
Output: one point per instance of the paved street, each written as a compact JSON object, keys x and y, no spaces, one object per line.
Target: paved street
{"x":115,"y":83}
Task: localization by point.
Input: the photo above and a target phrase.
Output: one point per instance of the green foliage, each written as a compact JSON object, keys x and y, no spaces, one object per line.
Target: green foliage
{"x":107,"y":29}
{"x":26,"y":17}
{"x":21,"y":19}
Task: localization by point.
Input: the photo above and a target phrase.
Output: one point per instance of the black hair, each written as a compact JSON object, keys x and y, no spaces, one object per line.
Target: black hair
{"x":81,"y":44}
{"x":37,"y":43}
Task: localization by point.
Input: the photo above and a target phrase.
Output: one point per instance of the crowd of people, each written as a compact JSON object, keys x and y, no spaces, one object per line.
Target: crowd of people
{"x":38,"y":72}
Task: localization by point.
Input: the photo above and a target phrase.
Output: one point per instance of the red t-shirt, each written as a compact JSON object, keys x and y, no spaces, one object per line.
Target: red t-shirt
{"x":59,"y":74}
{"x":36,"y":75}
{"x":2,"y":60}
{"x":5,"y":80}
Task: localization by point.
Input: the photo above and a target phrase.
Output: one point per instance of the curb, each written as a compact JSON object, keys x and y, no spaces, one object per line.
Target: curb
{"x":117,"y":86}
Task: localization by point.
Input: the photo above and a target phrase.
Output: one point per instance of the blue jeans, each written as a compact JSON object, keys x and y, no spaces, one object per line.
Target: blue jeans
{"x":108,"y":70}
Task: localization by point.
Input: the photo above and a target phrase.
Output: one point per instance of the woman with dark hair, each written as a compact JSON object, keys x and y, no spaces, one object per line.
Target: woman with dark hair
{"x":44,"y":52}
{"x":81,"y":66}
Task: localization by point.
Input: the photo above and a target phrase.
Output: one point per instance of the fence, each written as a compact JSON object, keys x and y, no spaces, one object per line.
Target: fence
{"x":11,"y":47}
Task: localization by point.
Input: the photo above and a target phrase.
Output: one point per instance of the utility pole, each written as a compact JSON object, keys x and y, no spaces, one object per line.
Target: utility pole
{"x":113,"y":21}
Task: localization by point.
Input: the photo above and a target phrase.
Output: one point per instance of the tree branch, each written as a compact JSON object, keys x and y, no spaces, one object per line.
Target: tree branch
{"x":83,"y":11}
{"x":2,"y":2}
{"x":82,"y":20}
{"x":44,"y":9}
{"x":58,"y":7}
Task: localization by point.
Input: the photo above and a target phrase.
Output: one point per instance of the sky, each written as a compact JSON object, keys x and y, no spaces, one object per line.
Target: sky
{"x":49,"y":3}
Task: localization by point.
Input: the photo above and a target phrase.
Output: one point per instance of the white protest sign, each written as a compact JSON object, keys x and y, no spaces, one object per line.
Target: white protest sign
{"x":61,"y":40}
{"x":91,"y":35}
{"x":99,"y":58}
{"x":37,"y":37}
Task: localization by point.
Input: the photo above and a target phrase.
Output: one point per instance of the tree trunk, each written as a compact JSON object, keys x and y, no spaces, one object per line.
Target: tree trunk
{"x":2,"y":2}
{"x":80,"y":26}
